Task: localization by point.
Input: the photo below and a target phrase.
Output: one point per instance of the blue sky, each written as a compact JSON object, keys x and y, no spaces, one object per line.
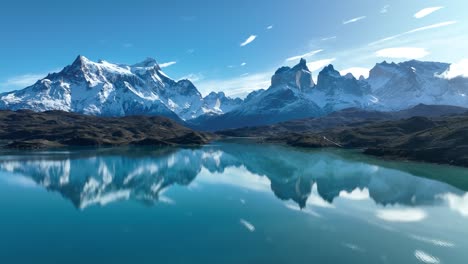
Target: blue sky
{"x":202,"y":40}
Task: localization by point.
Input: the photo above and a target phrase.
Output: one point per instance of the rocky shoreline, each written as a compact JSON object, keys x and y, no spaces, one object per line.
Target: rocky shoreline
{"x":429,"y":133}
{"x":436,"y":140}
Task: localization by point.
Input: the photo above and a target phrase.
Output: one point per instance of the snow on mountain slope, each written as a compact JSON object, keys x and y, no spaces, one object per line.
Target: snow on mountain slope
{"x":406,"y":84}
{"x":219,"y":103}
{"x":334,"y":92}
{"x":293,"y":95}
{"x":107,"y":89}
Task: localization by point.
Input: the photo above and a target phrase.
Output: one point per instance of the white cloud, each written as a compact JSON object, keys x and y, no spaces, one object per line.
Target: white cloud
{"x":316,"y":200}
{"x":243,"y":64}
{"x":193,"y":77}
{"x":167,"y":64}
{"x":433,"y":241}
{"x":427,"y":11}
{"x":269,"y":27}
{"x":248,"y":40}
{"x":233,"y":176}
{"x":402,"y":53}
{"x":353,"y":20}
{"x":459,"y":69}
{"x":401,"y":215}
{"x":356,"y":72}
{"x":426,"y":257}
{"x":356,"y":195}
{"x":384,"y":9}
{"x":247,"y":225}
{"x":457,"y":203}
{"x":19,"y":181}
{"x":319,"y":64}
{"x":20,"y":81}
{"x":328,"y":38}
{"x":238,"y":86}
{"x":244,"y":74}
{"x":438,"y":25}
{"x":306,"y":55}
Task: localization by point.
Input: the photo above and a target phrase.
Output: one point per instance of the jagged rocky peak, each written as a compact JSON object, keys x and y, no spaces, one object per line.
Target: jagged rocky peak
{"x":223,"y":97}
{"x":349,"y":76}
{"x":327,"y":76}
{"x":298,"y":76}
{"x":331,"y":82}
{"x":80,"y":60}
{"x":329,"y":71}
{"x":216,"y":95}
{"x":302,"y":65}
{"x":186,"y":87}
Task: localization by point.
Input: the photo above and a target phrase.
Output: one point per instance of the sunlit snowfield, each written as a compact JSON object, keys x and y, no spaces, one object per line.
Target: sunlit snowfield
{"x":228,"y":202}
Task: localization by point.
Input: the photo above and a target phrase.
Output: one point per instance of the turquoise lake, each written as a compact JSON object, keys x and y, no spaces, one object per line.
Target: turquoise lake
{"x":229,"y":202}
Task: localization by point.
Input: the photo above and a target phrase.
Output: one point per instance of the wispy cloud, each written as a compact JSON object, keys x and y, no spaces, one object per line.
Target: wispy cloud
{"x":305,"y":55}
{"x":401,"y":215}
{"x":248,"y":40}
{"x":384,"y":9}
{"x":438,"y":25}
{"x":193,"y":77}
{"x":319,"y":64}
{"x":167,"y":64}
{"x":458,"y":69}
{"x":20,"y":81}
{"x":190,"y":51}
{"x":127,"y":45}
{"x":427,"y":11}
{"x":243,"y":64}
{"x":269,"y":27}
{"x":328,"y":38}
{"x":352,"y":20}
{"x":356,"y":72}
{"x":237,"y":86}
{"x":402,"y":53}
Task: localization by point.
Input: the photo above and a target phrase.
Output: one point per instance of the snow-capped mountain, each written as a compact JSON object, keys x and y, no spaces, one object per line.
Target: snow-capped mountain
{"x":107,"y":89}
{"x":103,"y":88}
{"x":219,"y":103}
{"x":406,"y":84}
{"x":293,"y":95}
{"x":390,"y":87}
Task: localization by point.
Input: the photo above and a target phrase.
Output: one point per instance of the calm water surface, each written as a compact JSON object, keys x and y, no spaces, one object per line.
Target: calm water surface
{"x":229,"y":202}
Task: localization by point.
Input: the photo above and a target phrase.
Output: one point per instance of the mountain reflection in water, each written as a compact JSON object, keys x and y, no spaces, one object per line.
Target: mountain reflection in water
{"x":89,"y":177}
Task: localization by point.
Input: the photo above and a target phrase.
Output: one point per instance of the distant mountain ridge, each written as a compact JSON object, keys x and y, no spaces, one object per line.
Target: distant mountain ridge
{"x":106,"y":89}
{"x":390,"y":87}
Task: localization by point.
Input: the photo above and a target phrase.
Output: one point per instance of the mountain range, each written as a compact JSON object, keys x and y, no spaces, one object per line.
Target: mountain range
{"x":106,"y":89}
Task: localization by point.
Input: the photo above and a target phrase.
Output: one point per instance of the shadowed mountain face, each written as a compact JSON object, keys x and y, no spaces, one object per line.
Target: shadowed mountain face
{"x":89,"y":177}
